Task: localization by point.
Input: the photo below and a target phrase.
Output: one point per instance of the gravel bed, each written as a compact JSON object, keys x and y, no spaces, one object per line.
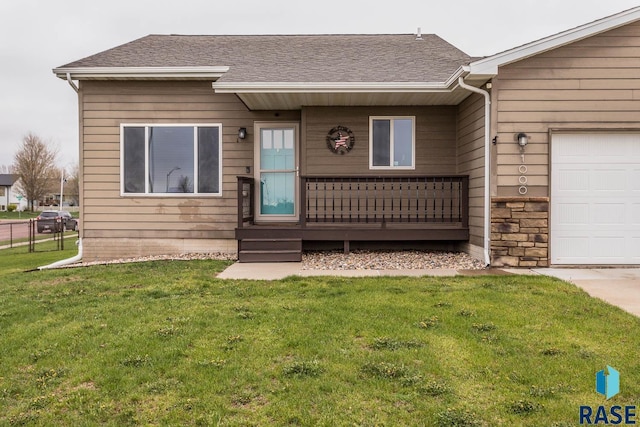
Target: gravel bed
{"x":388,"y":260}
{"x":337,"y":260}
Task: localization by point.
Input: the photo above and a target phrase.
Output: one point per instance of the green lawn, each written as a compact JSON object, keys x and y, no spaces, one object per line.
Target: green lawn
{"x":19,"y":259}
{"x":29,"y":214}
{"x":166,"y":343}
{"x":70,"y":238}
{"x":18,"y":215}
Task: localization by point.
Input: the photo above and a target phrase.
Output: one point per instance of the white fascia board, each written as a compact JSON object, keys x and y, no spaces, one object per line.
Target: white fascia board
{"x":452,"y":82}
{"x":327,"y":87}
{"x":488,"y":67}
{"x":81,"y":73}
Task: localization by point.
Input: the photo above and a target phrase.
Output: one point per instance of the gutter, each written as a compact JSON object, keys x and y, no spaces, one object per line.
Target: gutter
{"x":71,"y":83}
{"x":67,"y":261}
{"x":487,"y":164}
{"x":144,"y":73}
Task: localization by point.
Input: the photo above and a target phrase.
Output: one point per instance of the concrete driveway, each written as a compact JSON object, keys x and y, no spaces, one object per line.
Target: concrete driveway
{"x":617,"y":286}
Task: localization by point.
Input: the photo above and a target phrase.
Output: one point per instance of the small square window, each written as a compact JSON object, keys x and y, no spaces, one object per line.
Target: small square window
{"x":392,"y":142}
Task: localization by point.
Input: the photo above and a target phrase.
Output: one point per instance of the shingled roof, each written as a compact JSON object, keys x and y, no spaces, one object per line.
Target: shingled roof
{"x":7,"y":180}
{"x":292,"y":58}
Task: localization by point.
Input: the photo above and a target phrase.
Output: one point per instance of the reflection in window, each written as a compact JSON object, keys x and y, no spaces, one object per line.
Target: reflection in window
{"x":171,"y":159}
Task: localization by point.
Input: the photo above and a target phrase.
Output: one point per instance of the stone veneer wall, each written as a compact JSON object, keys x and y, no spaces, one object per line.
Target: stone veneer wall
{"x":519,"y":231}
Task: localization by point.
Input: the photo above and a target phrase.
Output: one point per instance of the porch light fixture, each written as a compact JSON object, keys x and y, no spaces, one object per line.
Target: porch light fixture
{"x":523,"y":139}
{"x":242,"y":133}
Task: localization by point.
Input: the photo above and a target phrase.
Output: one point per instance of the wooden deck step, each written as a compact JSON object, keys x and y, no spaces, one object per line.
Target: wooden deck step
{"x":270,"y":250}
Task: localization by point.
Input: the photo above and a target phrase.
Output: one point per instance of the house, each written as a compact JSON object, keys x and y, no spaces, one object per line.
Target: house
{"x":8,"y":194}
{"x":267,"y":144}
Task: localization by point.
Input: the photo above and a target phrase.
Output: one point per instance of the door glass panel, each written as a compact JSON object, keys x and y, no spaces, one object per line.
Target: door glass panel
{"x":277,"y":151}
{"x":277,"y":193}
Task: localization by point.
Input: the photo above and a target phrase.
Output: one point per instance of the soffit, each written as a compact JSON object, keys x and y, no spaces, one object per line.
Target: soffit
{"x":294,"y":101}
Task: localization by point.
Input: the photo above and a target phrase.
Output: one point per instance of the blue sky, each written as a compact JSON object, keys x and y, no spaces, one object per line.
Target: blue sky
{"x":38,"y":35}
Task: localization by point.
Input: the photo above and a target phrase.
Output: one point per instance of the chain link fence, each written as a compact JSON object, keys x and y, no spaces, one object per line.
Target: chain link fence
{"x":27,"y":234}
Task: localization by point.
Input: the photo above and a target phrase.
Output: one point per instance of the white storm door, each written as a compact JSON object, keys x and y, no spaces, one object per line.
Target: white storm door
{"x":276,"y":171}
{"x":595,"y":198}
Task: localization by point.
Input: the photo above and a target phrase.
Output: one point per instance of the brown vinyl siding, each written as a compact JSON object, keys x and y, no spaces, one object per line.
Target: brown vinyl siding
{"x":107,"y":214}
{"x":470,"y":155}
{"x":588,"y":85}
{"x":435,"y":140}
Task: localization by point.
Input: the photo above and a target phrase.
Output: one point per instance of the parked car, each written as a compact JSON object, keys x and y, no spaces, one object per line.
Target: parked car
{"x":69,"y":222}
{"x":56,"y":221}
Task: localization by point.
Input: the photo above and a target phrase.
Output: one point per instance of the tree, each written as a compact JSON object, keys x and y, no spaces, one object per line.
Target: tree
{"x":34,"y":163}
{"x":72,"y":187}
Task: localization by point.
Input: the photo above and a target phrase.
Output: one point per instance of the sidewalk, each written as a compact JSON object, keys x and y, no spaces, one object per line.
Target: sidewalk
{"x":280,"y":270}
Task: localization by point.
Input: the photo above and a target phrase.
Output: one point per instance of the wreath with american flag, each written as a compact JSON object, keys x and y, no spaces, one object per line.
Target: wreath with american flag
{"x":340,"y":139}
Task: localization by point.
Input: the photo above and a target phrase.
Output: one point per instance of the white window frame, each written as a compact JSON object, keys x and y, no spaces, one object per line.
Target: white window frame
{"x":195,"y":127}
{"x":391,"y":144}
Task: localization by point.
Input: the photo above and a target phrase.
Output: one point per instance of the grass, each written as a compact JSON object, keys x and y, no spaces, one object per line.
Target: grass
{"x":28,"y":214}
{"x":18,"y":215}
{"x":165,"y":343}
{"x":18,"y":259}
{"x":39,"y":238}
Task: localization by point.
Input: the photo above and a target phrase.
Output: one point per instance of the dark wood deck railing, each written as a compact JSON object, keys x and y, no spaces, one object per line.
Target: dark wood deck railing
{"x":385,"y":199}
{"x":370,"y":200}
{"x":246,"y":210}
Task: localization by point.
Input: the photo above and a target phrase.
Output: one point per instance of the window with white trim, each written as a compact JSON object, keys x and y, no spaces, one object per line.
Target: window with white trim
{"x":171,"y":159}
{"x":392,"y":142}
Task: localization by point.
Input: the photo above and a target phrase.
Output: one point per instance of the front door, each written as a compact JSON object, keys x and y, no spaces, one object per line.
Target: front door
{"x":276,"y":171}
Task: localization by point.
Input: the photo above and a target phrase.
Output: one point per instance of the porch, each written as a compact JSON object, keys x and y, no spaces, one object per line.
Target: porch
{"x":358,"y":208}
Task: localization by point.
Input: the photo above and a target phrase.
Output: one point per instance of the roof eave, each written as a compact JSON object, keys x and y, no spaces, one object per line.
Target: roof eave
{"x":488,"y":67}
{"x":340,"y":87}
{"x":141,"y":73}
{"x":326,"y":87}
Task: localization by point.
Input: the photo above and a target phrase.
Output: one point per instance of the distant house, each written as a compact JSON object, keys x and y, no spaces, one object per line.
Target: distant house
{"x":268,"y":144}
{"x":8,"y":195}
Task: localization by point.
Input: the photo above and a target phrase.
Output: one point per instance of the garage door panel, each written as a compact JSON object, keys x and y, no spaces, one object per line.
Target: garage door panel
{"x":635,"y":214}
{"x":634,"y":243}
{"x":573,"y":179}
{"x":635,"y":179}
{"x":608,"y":214}
{"x":573,"y":214}
{"x":608,"y":247}
{"x":572,"y":246}
{"x":609,"y":180}
{"x":595,"y":199}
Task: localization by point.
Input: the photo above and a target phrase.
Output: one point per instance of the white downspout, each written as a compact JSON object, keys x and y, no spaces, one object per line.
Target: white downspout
{"x":78,"y":257}
{"x":487,"y":165}
{"x":67,"y":261}
{"x":71,"y":83}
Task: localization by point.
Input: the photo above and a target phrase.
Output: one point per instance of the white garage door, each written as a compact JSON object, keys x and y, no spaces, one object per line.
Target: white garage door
{"x":595,"y":199}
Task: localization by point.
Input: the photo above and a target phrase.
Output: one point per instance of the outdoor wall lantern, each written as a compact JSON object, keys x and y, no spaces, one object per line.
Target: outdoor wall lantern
{"x":242,"y":133}
{"x":522,"y":139}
